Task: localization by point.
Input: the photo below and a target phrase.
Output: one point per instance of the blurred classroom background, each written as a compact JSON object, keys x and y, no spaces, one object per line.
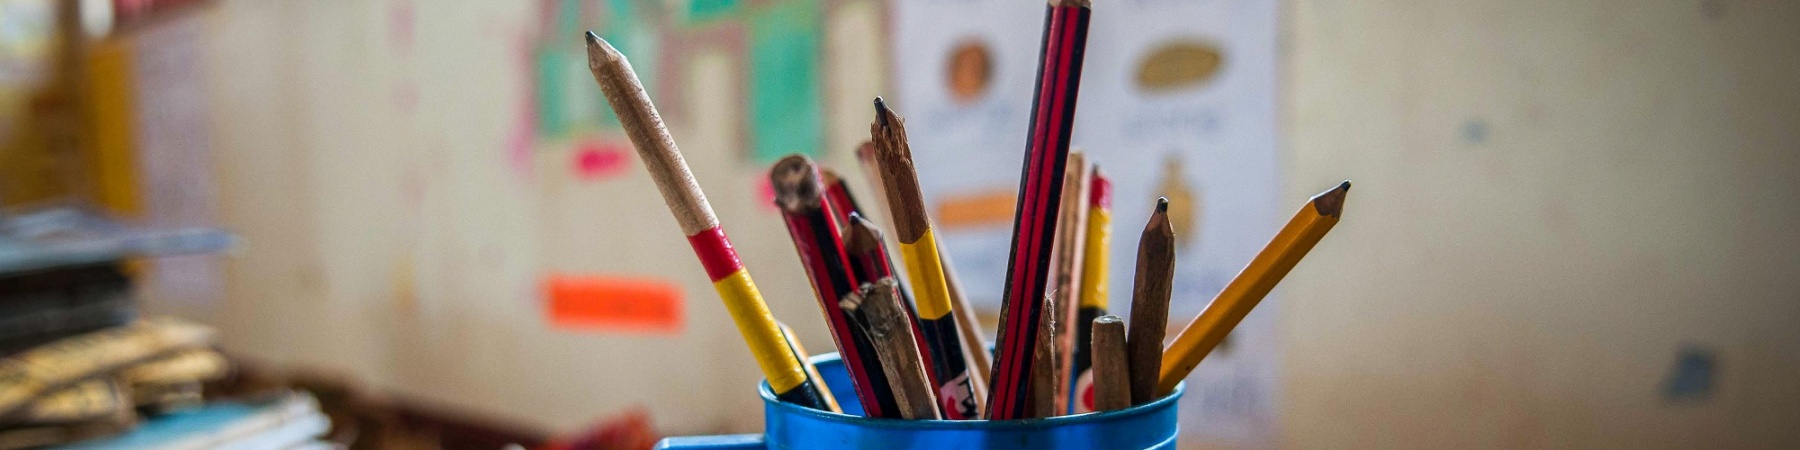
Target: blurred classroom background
{"x":1572,"y":226}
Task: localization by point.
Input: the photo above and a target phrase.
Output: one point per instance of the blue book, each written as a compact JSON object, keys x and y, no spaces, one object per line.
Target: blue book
{"x":286,"y":421}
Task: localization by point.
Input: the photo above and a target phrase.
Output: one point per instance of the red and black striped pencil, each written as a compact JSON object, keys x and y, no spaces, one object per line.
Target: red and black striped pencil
{"x":1040,"y":195}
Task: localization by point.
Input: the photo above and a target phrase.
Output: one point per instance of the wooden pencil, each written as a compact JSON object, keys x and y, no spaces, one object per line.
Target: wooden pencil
{"x":1043,"y":370}
{"x":878,"y":311}
{"x":1201,"y":336}
{"x":637,"y":115}
{"x":1150,"y":303}
{"x":1093,"y":299}
{"x":1071,"y":244}
{"x":793,"y":343}
{"x":1040,"y":192}
{"x":799,"y":193}
{"x":924,"y":267}
{"x":1112,"y":379}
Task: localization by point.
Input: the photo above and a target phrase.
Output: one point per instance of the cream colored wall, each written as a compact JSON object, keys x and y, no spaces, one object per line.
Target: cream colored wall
{"x":1636,"y":190}
{"x":1551,"y":198}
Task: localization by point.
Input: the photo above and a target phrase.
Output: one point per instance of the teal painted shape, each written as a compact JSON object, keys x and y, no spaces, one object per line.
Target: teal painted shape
{"x":785,"y":104}
{"x":705,"y":10}
{"x":568,"y":17}
{"x":552,"y":121}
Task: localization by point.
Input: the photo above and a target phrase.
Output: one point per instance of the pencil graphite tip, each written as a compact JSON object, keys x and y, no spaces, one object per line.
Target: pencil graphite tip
{"x":1162,"y":204}
{"x":1106,"y":319}
{"x":881,"y":112}
{"x":600,"y":52}
{"x":796,"y":183}
{"x":1331,"y":203}
{"x":862,"y":236}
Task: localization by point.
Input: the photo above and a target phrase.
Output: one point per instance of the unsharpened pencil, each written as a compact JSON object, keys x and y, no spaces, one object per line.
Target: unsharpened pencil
{"x":1150,"y":303}
{"x":1034,"y":222}
{"x":637,"y":115}
{"x":877,"y":310}
{"x":799,"y":193}
{"x":1112,"y":379}
{"x":1201,"y":336}
{"x":919,"y":249}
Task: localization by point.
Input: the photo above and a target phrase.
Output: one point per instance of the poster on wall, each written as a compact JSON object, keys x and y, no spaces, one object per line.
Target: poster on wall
{"x":1177,"y":100}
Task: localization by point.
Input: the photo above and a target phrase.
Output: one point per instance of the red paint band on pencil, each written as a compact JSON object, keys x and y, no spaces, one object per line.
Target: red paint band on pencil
{"x":1100,"y":191}
{"x":715,"y":253}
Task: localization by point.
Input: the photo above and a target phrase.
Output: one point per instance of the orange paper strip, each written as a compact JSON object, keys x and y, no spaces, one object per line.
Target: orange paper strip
{"x":609,"y":303}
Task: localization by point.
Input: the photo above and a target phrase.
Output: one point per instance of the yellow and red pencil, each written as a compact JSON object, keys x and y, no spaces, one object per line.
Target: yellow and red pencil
{"x":786,"y":376}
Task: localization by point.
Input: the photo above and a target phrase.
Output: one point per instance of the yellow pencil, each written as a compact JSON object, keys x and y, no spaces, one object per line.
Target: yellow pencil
{"x":1290,"y":245}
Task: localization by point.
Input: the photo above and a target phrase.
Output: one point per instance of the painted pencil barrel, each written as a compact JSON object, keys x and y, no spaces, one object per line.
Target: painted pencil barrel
{"x":940,"y":331}
{"x":1149,"y":426}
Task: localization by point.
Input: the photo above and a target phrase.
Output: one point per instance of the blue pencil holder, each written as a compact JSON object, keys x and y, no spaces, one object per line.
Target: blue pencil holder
{"x":790,"y":427}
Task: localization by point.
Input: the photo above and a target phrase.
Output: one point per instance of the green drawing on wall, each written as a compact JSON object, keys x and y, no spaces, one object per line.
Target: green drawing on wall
{"x":784,"y":100}
{"x":785,"y":112}
{"x":705,"y":10}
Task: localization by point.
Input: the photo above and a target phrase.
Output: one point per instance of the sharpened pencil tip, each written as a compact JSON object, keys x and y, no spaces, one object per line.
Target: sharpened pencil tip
{"x":599,"y":51}
{"x":1331,"y":203}
{"x":1162,"y":204}
{"x":881,"y":111}
{"x":861,"y":236}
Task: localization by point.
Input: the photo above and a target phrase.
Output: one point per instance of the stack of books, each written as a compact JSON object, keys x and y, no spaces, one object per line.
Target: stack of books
{"x":79,"y":367}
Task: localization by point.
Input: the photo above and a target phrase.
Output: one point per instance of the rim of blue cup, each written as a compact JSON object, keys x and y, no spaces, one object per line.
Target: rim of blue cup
{"x":768,"y":396}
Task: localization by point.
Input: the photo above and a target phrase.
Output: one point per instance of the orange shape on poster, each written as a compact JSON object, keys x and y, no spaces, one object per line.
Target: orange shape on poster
{"x":613,"y":303}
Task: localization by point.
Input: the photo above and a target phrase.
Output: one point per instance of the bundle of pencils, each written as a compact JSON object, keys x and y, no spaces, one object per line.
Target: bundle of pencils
{"x":919,"y":249}
{"x":811,"y":222}
{"x":909,"y":342}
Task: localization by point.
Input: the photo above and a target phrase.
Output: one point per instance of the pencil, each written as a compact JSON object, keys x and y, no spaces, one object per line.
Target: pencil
{"x":799,"y":351}
{"x":1071,"y":234}
{"x":799,"y":193}
{"x":1150,"y":303}
{"x":1040,"y":192}
{"x":924,"y":267}
{"x":1043,"y":367}
{"x":1093,"y":299}
{"x":877,"y":311}
{"x":1304,"y":230}
{"x":663,"y":159}
{"x":974,"y":343}
{"x":1112,"y":379}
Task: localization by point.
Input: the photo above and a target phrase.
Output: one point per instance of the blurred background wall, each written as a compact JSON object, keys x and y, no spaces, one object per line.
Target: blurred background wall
{"x":1565,"y":212}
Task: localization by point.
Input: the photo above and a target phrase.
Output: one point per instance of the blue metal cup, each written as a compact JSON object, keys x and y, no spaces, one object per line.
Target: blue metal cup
{"x":790,"y":427}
